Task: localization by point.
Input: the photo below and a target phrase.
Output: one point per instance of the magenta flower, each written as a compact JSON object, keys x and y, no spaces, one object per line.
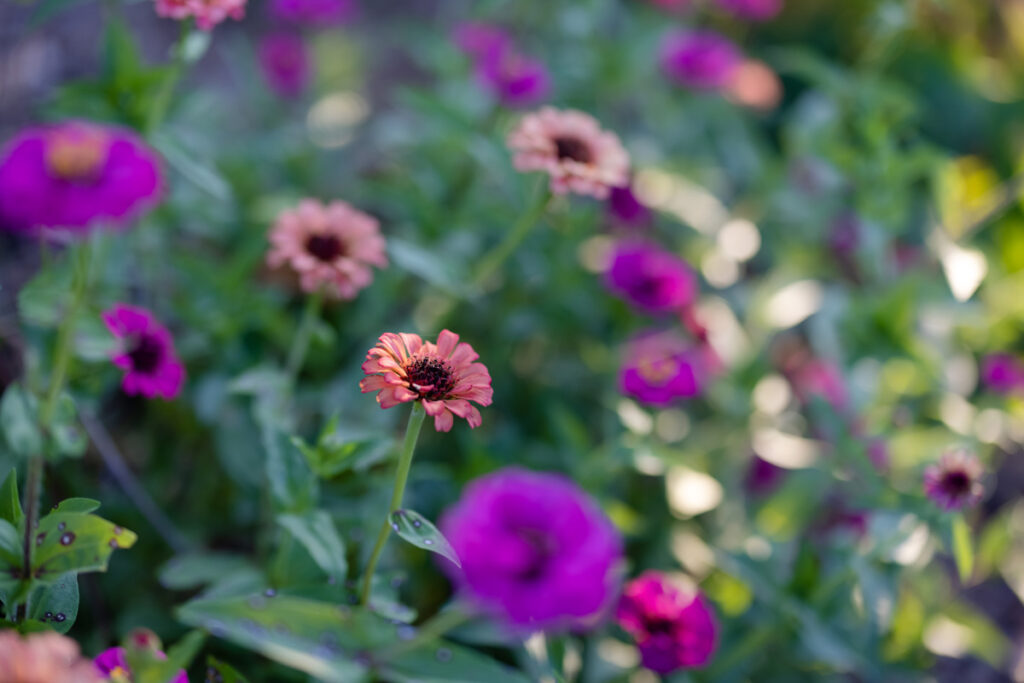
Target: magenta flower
{"x":819,"y":378}
{"x":661,"y":368}
{"x":481,"y":41}
{"x":75,"y":174}
{"x":314,"y":12}
{"x":114,"y":667}
{"x":651,"y":278}
{"x":1002,"y":372}
{"x":516,"y":80}
{"x":762,"y":476}
{"x":673,"y":629}
{"x":754,"y":10}
{"x":626,"y":209}
{"x":536,"y":550}
{"x":285,"y":63}
{"x":954,"y":482}
{"x":147,"y":354}
{"x":207,"y":13}
{"x":700,"y":60}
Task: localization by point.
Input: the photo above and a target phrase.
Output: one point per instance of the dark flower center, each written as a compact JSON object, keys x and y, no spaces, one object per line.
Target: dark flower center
{"x":956,"y":483}
{"x":573,"y":149}
{"x":325,"y":247}
{"x":431,"y":377}
{"x":146,"y":354}
{"x":543,"y":547}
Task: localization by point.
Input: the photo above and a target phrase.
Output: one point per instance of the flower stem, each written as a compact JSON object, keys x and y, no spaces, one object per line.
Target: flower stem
{"x":300,"y":345}
{"x":412,"y":432}
{"x":493,"y":259}
{"x":162,"y":99}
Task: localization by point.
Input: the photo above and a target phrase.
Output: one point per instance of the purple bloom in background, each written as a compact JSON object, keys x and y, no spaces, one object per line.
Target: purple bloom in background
{"x":314,"y":12}
{"x":701,"y":60}
{"x":74,"y":174}
{"x":147,"y":354}
{"x":673,"y":629}
{"x":285,"y":63}
{"x":536,"y":550}
{"x":1002,"y":372}
{"x":516,"y":80}
{"x":662,"y":368}
{"x":954,"y":482}
{"x":755,"y":10}
{"x":651,"y":278}
{"x":763,"y":476}
{"x":626,"y":209}
{"x":113,"y":666}
{"x":481,"y":41}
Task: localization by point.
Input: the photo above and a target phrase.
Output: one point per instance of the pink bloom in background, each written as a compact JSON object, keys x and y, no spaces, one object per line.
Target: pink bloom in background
{"x":626,"y":209}
{"x":571,"y":147}
{"x":651,"y":278}
{"x":314,"y":12}
{"x":673,"y":629}
{"x":701,"y":60}
{"x":819,"y":378}
{"x":114,"y":667}
{"x":45,"y":657}
{"x":763,"y":476}
{"x":517,"y":81}
{"x":147,"y":353}
{"x":330,"y":246}
{"x":285,"y":63}
{"x":443,"y":376}
{"x":954,"y":482}
{"x":481,"y":41}
{"x":207,"y":13}
{"x":661,"y":368}
{"x":74,"y":174}
{"x":1002,"y":372}
{"x":755,"y":85}
{"x":536,"y":550}
{"x":755,"y":10}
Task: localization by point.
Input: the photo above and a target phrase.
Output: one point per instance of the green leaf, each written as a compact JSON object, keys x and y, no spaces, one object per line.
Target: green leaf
{"x":316,"y":532}
{"x":41,"y":300}
{"x":442,"y":662}
{"x":418,"y":530}
{"x":217,"y":670}
{"x":428,"y":265}
{"x":963,"y":548}
{"x":292,"y":482}
{"x":75,"y":542}
{"x":342,"y":448}
{"x":10,"y":505}
{"x":195,"y":570}
{"x":56,"y":604}
{"x":19,"y":421}
{"x":77,"y":505}
{"x":11,"y":561}
{"x":190,"y":165}
{"x":65,"y":431}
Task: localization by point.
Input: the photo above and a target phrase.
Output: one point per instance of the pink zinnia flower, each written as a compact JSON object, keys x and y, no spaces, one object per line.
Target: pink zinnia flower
{"x":954,"y":482}
{"x":1002,"y":372}
{"x":147,"y":354}
{"x":756,"y":10}
{"x":207,"y":13}
{"x":74,"y":174}
{"x":443,"y":376}
{"x":330,"y":246}
{"x":673,"y":629}
{"x":571,"y":147}
{"x":536,"y":550}
{"x":651,"y":278}
{"x":314,"y":12}
{"x":46,"y":657}
{"x":284,"y":63}
{"x":701,"y":60}
{"x":661,"y":368}
{"x":114,"y":666}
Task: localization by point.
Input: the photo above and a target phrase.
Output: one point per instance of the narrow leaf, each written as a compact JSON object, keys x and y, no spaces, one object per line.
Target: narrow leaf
{"x":217,"y":670}
{"x":318,"y":535}
{"x":963,"y":548}
{"x":418,"y":530}
{"x":10,"y":505}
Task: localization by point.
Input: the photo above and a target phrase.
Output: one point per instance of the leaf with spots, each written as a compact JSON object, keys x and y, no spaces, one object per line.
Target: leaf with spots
{"x":221,"y":672}
{"x":443,"y":662}
{"x":418,"y":530}
{"x":75,"y":542}
{"x":56,"y":604}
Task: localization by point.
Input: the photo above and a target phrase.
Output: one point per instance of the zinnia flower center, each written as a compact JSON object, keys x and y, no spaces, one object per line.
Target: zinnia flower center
{"x":325,"y":247}
{"x":431,"y":377}
{"x":956,"y":483}
{"x":574,"y":149}
{"x":146,"y":354}
{"x":119,"y":675}
{"x":657,"y":371}
{"x":76,"y":155}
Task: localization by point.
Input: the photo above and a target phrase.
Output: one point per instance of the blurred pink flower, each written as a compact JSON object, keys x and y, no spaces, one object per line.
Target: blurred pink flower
{"x":763,"y":476}
{"x":701,"y":60}
{"x":755,"y":10}
{"x":755,"y":85}
{"x":480,"y":40}
{"x":661,"y":368}
{"x":147,"y":355}
{"x":314,"y":12}
{"x":572,"y":148}
{"x":45,"y":657}
{"x":626,"y":209}
{"x":651,"y":278}
{"x":330,"y":246}
{"x":517,"y":81}
{"x":114,"y":666}
{"x":1002,"y":372}
{"x":821,"y":378}
{"x":207,"y":13}
{"x":954,"y":482}
{"x":285,"y":63}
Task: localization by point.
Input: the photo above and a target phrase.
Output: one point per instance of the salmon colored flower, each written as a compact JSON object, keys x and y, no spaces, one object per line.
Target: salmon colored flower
{"x":43,"y":658}
{"x":571,"y":147}
{"x":328,"y":245}
{"x":207,"y":13}
{"x":443,"y":377}
{"x":954,"y":482}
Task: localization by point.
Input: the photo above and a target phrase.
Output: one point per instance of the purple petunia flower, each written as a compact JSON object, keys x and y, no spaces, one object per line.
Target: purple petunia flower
{"x":755,"y":10}
{"x":661,"y":368}
{"x":74,"y":174}
{"x":314,"y":12}
{"x":673,"y":629}
{"x":536,"y":550}
{"x":147,"y":356}
{"x":954,"y":482}
{"x":285,"y":63}
{"x":1002,"y":372}
{"x":650,"y":278}
{"x":701,"y":60}
{"x":626,"y":209}
{"x":113,"y":665}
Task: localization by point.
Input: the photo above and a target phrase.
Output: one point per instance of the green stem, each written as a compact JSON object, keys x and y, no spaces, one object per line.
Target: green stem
{"x":66,"y":332}
{"x":412,"y":432}
{"x":162,"y":99}
{"x":33,"y":485}
{"x":440,"y":624}
{"x":494,"y":259}
{"x":300,"y":345}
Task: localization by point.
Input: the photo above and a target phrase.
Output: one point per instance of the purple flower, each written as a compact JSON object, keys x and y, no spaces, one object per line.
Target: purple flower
{"x":147,"y":355}
{"x":285,"y":63}
{"x":536,"y":551}
{"x":626,"y":209}
{"x":1002,"y":372}
{"x":113,"y":665}
{"x":517,"y":81}
{"x":701,"y":60}
{"x":755,"y":10}
{"x":74,"y":174}
{"x":763,"y":476}
{"x":661,"y":368}
{"x":481,"y":41}
{"x":650,"y":278}
{"x":954,"y":482}
{"x":314,"y":12}
{"x":673,"y":629}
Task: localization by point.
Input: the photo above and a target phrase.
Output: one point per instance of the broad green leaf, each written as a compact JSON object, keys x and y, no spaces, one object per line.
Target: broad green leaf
{"x":19,"y":421}
{"x":75,"y":542}
{"x":443,"y":662}
{"x":963,"y":548}
{"x":77,"y":505}
{"x":418,"y":530}
{"x":10,"y":505}
{"x":41,"y":300}
{"x":318,"y":535}
{"x":195,"y":570}
{"x":292,"y":483}
{"x":56,"y":604}
{"x":65,"y":431}
{"x":221,"y":672}
{"x":426,"y":264}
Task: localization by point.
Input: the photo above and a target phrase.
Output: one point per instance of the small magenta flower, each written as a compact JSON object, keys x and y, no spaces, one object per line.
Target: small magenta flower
{"x":816,"y":377}
{"x":516,"y":80}
{"x":754,"y":10}
{"x":673,"y":629}
{"x":661,"y":368}
{"x":537,"y":552}
{"x":481,"y":41}
{"x":45,"y":657}
{"x":571,"y":147}
{"x":651,"y":278}
{"x":314,"y":12}
{"x":147,"y":354}
{"x":762,"y":476}
{"x":1002,"y":372}
{"x":626,"y":209}
{"x":74,"y":174}
{"x":207,"y":13}
{"x":285,"y":63}
{"x":330,"y":246}
{"x":443,"y":377}
{"x":701,"y":60}
{"x":954,"y":482}
{"x":113,"y":665}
